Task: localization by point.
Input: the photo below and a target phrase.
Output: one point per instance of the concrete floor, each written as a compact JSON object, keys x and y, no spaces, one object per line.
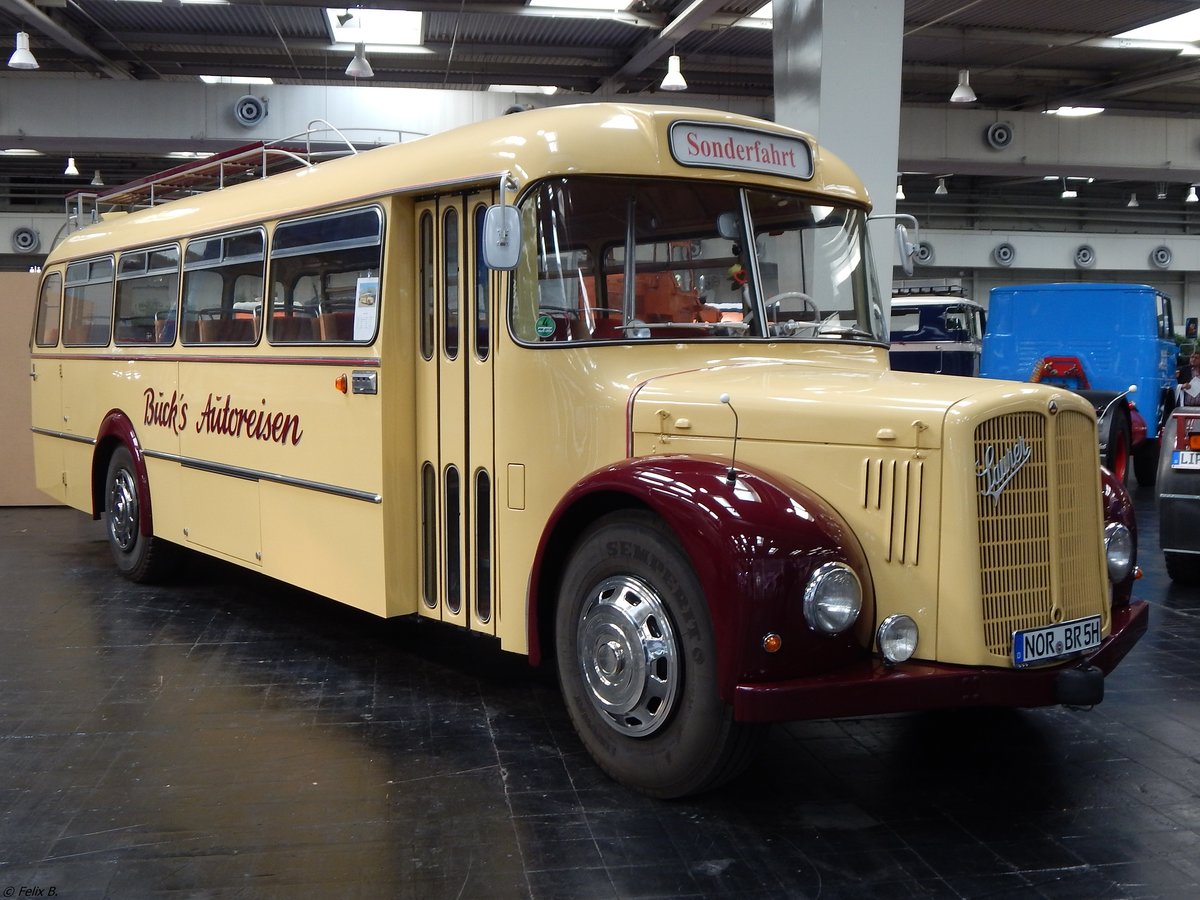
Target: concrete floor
{"x":229,"y":736}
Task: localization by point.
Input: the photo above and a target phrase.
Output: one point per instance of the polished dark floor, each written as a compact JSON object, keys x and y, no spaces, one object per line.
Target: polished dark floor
{"x":232,"y":737}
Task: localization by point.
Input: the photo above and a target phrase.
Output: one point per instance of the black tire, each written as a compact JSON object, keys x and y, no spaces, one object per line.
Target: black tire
{"x":1182,"y":567}
{"x":1117,"y":452}
{"x":140,"y":558}
{"x":1145,"y":463}
{"x":637,"y":662}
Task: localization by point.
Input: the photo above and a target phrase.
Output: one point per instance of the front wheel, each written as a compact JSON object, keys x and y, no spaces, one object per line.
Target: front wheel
{"x":637,"y":662}
{"x":140,"y":558}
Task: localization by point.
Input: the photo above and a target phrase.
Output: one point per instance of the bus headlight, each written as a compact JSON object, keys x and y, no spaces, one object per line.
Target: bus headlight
{"x":897,"y":638}
{"x":1118,"y":549}
{"x":832,"y":599}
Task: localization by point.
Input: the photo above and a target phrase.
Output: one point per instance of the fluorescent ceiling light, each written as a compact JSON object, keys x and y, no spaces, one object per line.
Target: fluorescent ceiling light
{"x":593,"y":5}
{"x":1075,"y":112}
{"x":235,"y":79}
{"x":388,"y":28}
{"x":20,"y":151}
{"x":1184,"y":27}
{"x":763,"y":17}
{"x":188,"y":154}
{"x":547,"y":89}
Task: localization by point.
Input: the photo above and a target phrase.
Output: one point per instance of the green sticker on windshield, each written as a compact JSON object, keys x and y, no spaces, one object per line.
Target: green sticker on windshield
{"x":544,"y":326}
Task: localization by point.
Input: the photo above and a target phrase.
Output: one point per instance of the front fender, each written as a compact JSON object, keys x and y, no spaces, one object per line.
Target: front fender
{"x":117,"y":428}
{"x":753,"y":543}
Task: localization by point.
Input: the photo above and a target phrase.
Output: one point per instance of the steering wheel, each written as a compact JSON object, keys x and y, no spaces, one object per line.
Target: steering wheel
{"x":808,"y":304}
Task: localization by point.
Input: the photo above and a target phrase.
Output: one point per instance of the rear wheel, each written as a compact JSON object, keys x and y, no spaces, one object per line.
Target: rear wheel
{"x":637,"y":662}
{"x":1117,"y":449}
{"x":141,"y":558}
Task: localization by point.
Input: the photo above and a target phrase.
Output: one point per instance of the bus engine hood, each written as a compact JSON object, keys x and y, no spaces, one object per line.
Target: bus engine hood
{"x":798,"y":402}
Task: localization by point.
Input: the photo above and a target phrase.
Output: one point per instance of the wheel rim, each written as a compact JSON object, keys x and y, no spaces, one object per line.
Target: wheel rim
{"x":628,"y":655}
{"x":123,"y":510}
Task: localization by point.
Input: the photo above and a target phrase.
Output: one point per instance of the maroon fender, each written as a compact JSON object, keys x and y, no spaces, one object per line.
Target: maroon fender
{"x":1137,"y":426}
{"x":1118,"y":507}
{"x":117,"y":428}
{"x":753,"y":543}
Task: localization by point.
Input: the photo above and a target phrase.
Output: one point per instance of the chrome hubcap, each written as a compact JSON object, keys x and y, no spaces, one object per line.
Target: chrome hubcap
{"x":628,"y":655}
{"x":123,"y":510}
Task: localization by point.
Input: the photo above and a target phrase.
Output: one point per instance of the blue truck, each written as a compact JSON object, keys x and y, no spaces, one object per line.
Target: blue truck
{"x":1112,"y":343}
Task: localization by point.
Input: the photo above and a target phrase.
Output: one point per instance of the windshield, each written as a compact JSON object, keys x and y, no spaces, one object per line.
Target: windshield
{"x":645,"y":259}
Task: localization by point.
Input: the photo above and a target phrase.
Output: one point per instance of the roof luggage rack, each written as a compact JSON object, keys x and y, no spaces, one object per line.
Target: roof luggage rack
{"x":256,"y":160}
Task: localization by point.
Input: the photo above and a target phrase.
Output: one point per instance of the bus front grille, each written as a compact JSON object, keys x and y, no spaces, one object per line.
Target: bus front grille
{"x":1039,"y":532}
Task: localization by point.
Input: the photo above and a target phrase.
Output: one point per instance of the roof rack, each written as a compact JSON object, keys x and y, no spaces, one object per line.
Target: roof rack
{"x":257,"y":159}
{"x":917,"y":289}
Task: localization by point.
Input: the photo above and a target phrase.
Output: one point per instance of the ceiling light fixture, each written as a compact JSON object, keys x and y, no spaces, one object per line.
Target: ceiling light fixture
{"x":940,"y":190}
{"x":963,"y":93}
{"x":1074,"y":112}
{"x":900,"y":190}
{"x":22,"y":57}
{"x":1191,"y":195}
{"x":97,"y":181}
{"x":673,"y":80}
{"x":1068,"y":193}
{"x":359,"y":67}
{"x":1162,"y":191}
{"x":1133,"y":204}
{"x":344,"y":18}
{"x":70,"y":169}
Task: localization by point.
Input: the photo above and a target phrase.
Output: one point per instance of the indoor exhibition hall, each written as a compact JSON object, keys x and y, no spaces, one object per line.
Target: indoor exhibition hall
{"x":554,"y":449}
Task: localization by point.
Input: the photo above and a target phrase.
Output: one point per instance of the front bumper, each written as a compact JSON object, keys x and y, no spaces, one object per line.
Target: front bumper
{"x":871,"y":688}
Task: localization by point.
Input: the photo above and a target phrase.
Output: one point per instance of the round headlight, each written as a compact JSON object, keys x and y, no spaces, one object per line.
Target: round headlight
{"x":832,"y":599}
{"x":897,"y":638}
{"x":1118,"y":549}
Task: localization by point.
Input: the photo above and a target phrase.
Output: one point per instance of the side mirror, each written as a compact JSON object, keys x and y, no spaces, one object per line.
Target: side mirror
{"x":908,"y":250}
{"x":727,"y":226}
{"x":502,"y":237}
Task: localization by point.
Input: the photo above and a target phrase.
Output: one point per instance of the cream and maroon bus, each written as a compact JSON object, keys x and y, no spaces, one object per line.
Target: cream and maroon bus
{"x":606,"y":382}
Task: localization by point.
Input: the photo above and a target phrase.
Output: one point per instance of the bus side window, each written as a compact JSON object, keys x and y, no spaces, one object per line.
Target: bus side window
{"x":88,"y":303}
{"x":222,"y":283}
{"x":49,"y":307}
{"x":147,"y":296}
{"x":329,"y":268}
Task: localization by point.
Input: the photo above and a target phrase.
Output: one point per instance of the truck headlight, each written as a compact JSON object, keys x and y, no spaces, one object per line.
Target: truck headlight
{"x":832,"y":599}
{"x":1118,"y":550}
{"x":897,"y":638}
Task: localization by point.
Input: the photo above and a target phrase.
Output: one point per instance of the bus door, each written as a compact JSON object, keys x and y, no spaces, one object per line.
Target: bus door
{"x":454,"y":413}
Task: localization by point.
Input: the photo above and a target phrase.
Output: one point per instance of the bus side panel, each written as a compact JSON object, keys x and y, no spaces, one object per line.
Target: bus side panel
{"x":90,"y":387}
{"x":398,"y":348}
{"x":287,"y":470}
{"x":46,"y":407}
{"x":330,"y":545}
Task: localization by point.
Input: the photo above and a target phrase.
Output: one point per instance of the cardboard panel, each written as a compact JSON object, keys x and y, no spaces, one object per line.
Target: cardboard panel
{"x":18,"y":295}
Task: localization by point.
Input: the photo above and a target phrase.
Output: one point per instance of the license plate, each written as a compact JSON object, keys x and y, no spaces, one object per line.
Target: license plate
{"x":1055,"y":641}
{"x":1185,"y":459}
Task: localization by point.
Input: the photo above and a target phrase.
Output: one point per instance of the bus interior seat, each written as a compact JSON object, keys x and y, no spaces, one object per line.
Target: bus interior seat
{"x":337,"y":326}
{"x":293,"y":329}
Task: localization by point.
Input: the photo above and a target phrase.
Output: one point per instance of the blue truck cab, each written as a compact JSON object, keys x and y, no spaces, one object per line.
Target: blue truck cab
{"x":938,"y":331}
{"x":1112,"y":343}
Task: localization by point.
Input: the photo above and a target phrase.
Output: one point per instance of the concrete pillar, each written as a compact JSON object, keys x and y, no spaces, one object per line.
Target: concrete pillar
{"x":837,"y":76}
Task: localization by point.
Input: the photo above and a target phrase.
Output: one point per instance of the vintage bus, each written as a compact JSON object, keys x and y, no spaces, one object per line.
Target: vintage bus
{"x":608,"y":383}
